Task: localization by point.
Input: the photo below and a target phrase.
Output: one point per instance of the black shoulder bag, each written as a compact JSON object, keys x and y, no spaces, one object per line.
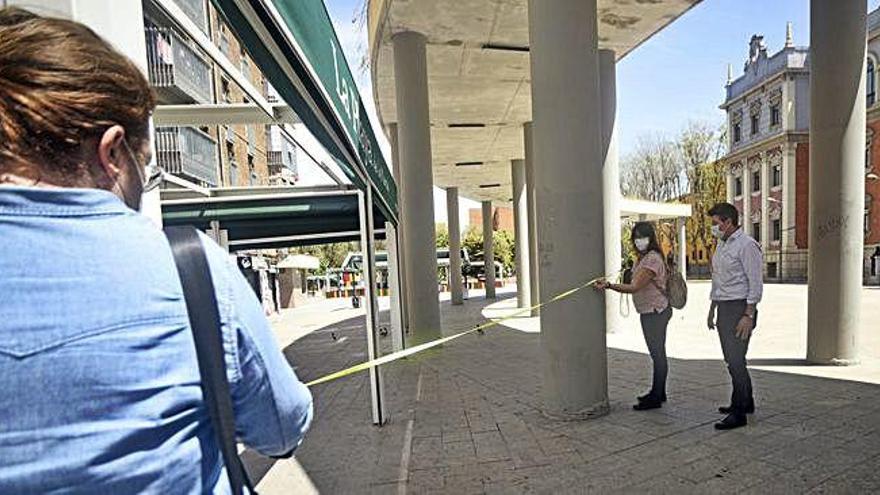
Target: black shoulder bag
{"x":204,"y":318}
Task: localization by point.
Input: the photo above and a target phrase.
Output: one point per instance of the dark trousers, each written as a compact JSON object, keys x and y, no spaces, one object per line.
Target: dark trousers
{"x":734,"y":349}
{"x":654,"y":329}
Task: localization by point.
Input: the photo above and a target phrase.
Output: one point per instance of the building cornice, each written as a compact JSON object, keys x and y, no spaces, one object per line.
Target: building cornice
{"x":784,"y":138}
{"x":762,"y":86}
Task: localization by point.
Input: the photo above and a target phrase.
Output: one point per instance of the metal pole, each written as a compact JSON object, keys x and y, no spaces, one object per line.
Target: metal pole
{"x":394,"y":286}
{"x":365,"y":207}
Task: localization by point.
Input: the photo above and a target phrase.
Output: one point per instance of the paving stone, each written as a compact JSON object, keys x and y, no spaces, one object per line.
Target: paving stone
{"x":477,"y":424}
{"x":490,"y":446}
{"x":457,"y":453}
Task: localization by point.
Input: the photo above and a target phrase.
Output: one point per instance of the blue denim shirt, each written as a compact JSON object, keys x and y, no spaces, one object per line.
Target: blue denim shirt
{"x":99,"y":383}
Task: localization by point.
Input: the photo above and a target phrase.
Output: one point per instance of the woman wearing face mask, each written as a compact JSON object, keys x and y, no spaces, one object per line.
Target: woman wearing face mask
{"x":648,"y":289}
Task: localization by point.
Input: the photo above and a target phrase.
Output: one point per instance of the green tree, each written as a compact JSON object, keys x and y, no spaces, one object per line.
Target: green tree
{"x":473,"y":242}
{"x":329,"y":255}
{"x":442,"y":235}
{"x":505,"y":249}
{"x":504,"y":244}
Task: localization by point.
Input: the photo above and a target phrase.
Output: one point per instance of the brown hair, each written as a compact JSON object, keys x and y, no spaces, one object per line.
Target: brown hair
{"x":62,"y":86}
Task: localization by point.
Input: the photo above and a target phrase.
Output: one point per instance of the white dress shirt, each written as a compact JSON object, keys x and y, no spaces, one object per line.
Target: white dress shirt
{"x":738,"y":269}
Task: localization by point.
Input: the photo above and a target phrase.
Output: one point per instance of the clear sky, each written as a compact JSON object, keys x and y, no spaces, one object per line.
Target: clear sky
{"x":676,"y":76}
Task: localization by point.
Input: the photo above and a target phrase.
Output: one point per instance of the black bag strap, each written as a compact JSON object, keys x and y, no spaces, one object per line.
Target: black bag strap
{"x":204,"y":318}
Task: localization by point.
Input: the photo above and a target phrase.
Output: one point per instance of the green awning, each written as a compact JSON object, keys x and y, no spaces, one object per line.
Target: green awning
{"x":260,"y":221}
{"x":294,"y":44}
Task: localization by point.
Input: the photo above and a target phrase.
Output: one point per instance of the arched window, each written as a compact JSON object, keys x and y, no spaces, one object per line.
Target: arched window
{"x":870,"y":82}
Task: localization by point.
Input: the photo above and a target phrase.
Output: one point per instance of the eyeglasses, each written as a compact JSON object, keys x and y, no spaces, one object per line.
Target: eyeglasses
{"x":151,"y":176}
{"x":154,"y":176}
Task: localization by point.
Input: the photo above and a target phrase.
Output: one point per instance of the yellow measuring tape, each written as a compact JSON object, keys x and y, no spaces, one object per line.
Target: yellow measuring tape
{"x":434,"y":343}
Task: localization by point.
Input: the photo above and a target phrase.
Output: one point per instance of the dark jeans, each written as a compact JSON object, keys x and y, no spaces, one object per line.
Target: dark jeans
{"x":734,"y":349}
{"x":654,"y":328}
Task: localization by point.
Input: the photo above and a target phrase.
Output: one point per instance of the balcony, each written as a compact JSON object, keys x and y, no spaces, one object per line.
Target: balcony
{"x":176,"y":71}
{"x":276,"y":162}
{"x":188,"y":152}
{"x":281,"y":166}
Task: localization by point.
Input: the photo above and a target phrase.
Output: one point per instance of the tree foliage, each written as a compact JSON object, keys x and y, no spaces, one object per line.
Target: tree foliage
{"x":504,"y":244}
{"x":684,"y":168}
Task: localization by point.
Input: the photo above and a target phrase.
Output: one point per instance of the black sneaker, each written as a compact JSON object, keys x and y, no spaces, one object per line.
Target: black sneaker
{"x":732,"y":421}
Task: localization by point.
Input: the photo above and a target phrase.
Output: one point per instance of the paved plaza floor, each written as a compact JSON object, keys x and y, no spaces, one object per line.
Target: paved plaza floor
{"x":466,"y":418}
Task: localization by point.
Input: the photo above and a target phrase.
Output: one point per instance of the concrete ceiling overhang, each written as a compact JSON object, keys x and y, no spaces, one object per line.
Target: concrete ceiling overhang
{"x":478,"y":76}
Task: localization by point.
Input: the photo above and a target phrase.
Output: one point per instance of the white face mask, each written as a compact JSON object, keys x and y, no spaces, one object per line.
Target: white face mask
{"x":717,"y":232}
{"x":641,"y":244}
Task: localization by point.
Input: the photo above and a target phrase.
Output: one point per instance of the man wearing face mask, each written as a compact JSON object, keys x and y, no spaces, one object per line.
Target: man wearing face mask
{"x":737,"y":287}
{"x":100,"y":390}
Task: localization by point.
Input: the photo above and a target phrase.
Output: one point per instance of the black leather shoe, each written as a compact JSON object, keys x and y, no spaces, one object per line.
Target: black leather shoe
{"x":732,"y":421}
{"x":649,"y":396}
{"x":647,"y":404}
{"x":729,"y":409}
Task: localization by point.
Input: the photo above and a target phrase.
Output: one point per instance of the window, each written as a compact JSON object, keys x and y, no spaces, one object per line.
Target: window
{"x":245,"y":65}
{"x":777,"y":230}
{"x":756,"y":231}
{"x":738,"y":187}
{"x":224,"y":41}
{"x":251,"y":139}
{"x":737,"y":133}
{"x":756,"y":181}
{"x":754,"y":124}
{"x":776,"y":178}
{"x":233,"y":173}
{"x":224,"y":89}
{"x":774,"y":115}
{"x":230,"y":152}
{"x":871,"y":83}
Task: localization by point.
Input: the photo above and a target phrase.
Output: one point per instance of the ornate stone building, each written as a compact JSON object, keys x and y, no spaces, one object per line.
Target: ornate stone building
{"x":768,"y":116}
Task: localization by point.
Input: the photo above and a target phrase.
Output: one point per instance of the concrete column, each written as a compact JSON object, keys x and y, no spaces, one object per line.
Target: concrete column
{"x":455,"y":284}
{"x":489,"y":249}
{"x":401,"y":256}
{"x":837,"y":179}
{"x":528,"y":148}
{"x":765,"y":205}
{"x":417,"y":214}
{"x":521,"y":234}
{"x":566,"y":108}
{"x":610,"y":182}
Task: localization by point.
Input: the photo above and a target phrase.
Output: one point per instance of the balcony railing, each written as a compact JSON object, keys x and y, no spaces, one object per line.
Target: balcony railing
{"x":276,"y":162}
{"x":187,"y":151}
{"x":179,"y":74}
